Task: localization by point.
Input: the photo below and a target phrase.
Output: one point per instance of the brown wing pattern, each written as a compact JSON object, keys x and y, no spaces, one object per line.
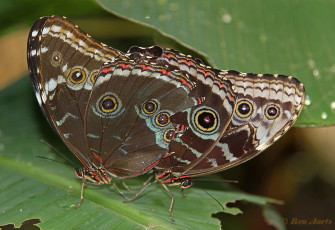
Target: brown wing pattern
{"x":265,"y":106}
{"x":63,"y":62}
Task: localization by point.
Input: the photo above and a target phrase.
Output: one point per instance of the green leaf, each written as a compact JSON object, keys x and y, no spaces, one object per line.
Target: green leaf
{"x":273,"y":218}
{"x":287,"y":37}
{"x":34,"y":187}
{"x":18,"y":12}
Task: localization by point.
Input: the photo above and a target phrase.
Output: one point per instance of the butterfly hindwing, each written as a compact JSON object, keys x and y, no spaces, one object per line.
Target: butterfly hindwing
{"x":265,"y":107}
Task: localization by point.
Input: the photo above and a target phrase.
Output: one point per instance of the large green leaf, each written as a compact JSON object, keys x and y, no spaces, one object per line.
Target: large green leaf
{"x":288,"y":37}
{"x":17,"y":12}
{"x":34,"y":187}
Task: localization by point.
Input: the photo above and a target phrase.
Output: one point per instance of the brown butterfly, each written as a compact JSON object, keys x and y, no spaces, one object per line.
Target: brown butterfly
{"x":152,"y":109}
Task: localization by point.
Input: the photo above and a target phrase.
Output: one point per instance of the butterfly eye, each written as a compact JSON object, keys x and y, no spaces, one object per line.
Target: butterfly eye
{"x":162,"y":119}
{"x":77,"y":76}
{"x":56,"y":59}
{"x":150,"y":107}
{"x":108,"y":104}
{"x":206,"y":120}
{"x":185,"y":184}
{"x":243,"y":109}
{"x":169,"y":135}
{"x":272,"y":112}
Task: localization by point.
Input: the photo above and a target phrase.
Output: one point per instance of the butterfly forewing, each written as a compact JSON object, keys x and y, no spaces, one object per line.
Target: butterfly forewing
{"x":63,"y":63}
{"x":113,"y":111}
{"x":129,"y":112}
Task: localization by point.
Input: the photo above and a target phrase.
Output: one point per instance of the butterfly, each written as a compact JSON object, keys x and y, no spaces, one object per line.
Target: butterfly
{"x":152,"y":109}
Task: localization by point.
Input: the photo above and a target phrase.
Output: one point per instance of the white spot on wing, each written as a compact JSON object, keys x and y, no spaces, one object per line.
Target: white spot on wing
{"x":34,"y":33}
{"x":66,"y":116}
{"x":194,"y":151}
{"x":43,"y":96}
{"x":52,"y":84}
{"x":93,"y":136}
{"x":68,"y":34}
{"x":287,"y":113}
{"x":32,"y":52}
{"x":55,"y":28}
{"x":45,"y":30}
{"x":226,"y":152}
{"x":51,"y":96}
{"x":88,"y":85}
{"x":101,"y":80}
{"x":44,"y":49}
{"x":187,"y":162}
{"x":64,"y":68}
{"x":213,"y":162}
{"x":60,"y":79}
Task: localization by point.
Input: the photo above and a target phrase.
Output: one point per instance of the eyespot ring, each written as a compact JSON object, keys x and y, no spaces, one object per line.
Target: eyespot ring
{"x":206,"y":120}
{"x":162,"y":119}
{"x":108,"y":103}
{"x":272,"y":111}
{"x":150,"y":107}
{"x":169,"y":134}
{"x":94,"y":76}
{"x":77,"y":75}
{"x":56,"y":59}
{"x":244,"y":109}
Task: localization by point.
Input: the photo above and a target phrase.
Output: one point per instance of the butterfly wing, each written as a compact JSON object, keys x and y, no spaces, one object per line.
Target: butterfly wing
{"x":266,"y":107}
{"x":63,"y":64}
{"x":99,"y":110}
{"x":129,"y":117}
{"x":204,"y":123}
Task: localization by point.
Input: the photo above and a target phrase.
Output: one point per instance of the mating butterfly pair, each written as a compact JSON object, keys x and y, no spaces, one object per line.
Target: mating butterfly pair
{"x":153,"y":109}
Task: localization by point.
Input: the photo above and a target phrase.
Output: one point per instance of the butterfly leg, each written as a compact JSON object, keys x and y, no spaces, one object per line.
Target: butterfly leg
{"x":182,"y":193}
{"x":81,"y":194}
{"x":172,"y":201}
{"x":144,"y":187}
{"x":131,"y":191}
{"x":121,"y":193}
{"x":127,"y":188}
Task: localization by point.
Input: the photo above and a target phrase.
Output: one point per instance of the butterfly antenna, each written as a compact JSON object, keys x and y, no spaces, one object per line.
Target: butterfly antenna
{"x":213,"y":198}
{"x":46,"y":158}
{"x":58,"y":152}
{"x":220,"y":180}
